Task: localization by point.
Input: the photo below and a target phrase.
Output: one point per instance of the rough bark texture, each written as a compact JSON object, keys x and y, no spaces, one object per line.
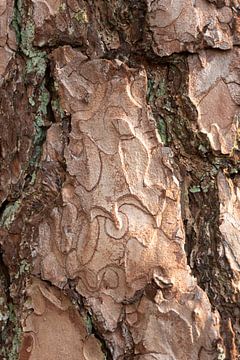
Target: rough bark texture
{"x":119,"y":179}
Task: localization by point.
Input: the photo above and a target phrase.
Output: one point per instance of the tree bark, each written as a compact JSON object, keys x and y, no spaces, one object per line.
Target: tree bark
{"x":119,"y":179}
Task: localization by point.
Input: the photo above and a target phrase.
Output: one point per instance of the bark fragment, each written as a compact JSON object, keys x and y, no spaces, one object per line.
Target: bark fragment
{"x":190,"y":25}
{"x":113,"y":150}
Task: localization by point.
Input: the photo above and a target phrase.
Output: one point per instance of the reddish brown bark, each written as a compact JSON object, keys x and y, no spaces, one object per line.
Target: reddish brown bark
{"x":119,"y":180}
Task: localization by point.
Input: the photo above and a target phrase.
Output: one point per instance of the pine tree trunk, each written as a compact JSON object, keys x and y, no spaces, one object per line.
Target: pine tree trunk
{"x":119,"y":179}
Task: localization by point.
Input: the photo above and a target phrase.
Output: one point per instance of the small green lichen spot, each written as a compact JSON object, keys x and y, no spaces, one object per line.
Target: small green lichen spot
{"x":233,"y":171}
{"x":88,"y":322}
{"x":13,"y":352}
{"x":27,"y":37}
{"x":43,"y":101}
{"x":162,"y":130}
{"x":40,"y":132}
{"x":150,"y":94}
{"x":81,"y":17}
{"x":62,"y":7}
{"x":33,"y":178}
{"x":161,"y":90}
{"x":9,"y":214}
{"x":56,"y":106}
{"x":16,"y":20}
{"x":195,"y":189}
{"x":31,"y":101}
{"x":38,"y":121}
{"x":36,"y":63}
{"x":24,"y":267}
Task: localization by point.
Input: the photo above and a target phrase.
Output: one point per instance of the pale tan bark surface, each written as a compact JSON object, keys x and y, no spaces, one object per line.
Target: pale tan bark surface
{"x":119,"y":180}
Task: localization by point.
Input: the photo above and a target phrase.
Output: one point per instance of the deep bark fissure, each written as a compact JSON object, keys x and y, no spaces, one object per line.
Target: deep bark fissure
{"x":86,"y":312}
{"x":105,"y":348}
